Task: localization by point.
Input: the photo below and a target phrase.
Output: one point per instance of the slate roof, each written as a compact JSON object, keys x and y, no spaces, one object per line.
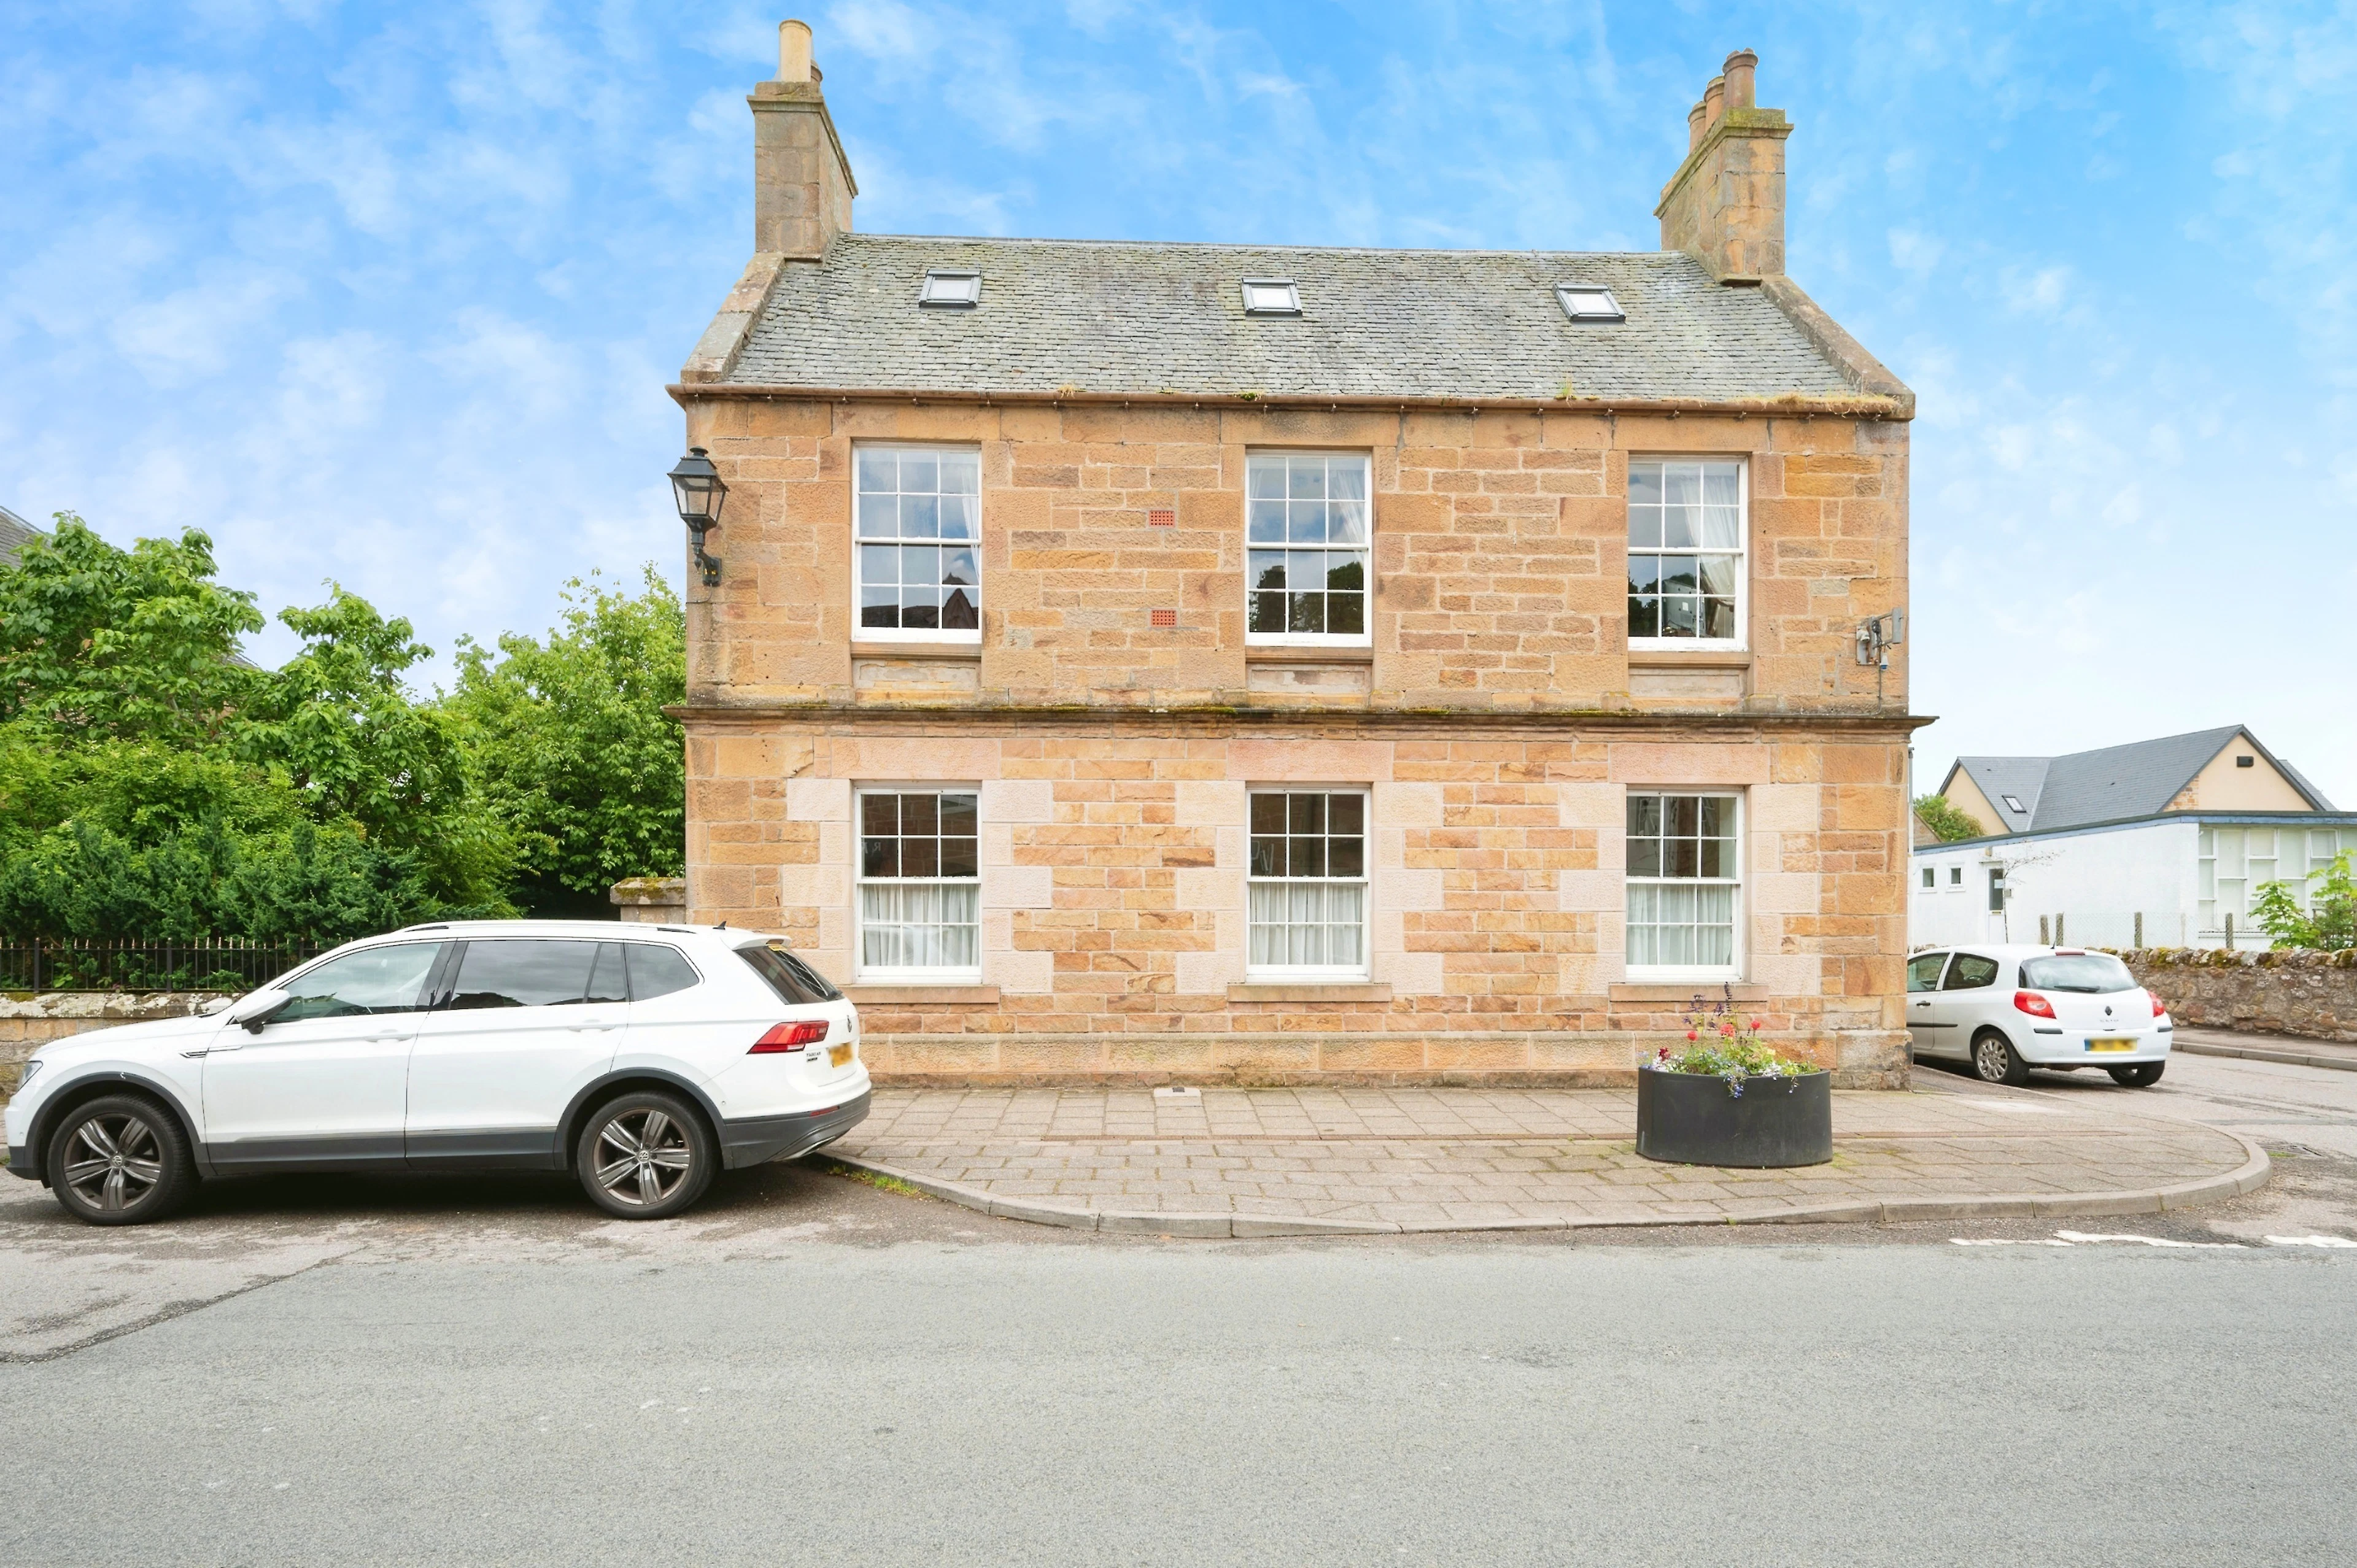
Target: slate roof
{"x":14,"y":531}
{"x":1108,"y":316}
{"x":2110,"y":784}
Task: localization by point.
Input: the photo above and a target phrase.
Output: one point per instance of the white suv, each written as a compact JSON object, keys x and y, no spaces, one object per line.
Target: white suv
{"x":2005,"y":1010}
{"x":644,"y":1058}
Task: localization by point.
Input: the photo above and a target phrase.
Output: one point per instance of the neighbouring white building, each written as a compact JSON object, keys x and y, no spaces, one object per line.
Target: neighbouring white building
{"x":2161,"y":844}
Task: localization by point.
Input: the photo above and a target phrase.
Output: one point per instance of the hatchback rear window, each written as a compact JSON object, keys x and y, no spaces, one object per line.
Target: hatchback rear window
{"x":2091,"y":974}
{"x":793,"y":981}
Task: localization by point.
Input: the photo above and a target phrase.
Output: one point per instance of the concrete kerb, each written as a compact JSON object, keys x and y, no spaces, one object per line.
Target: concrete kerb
{"x":2249,"y":1178}
{"x":2285,"y":1056}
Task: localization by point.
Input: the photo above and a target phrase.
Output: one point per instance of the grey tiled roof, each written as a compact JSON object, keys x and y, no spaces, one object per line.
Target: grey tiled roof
{"x":14,"y":531}
{"x":1133,"y":317}
{"x":2104,"y":786}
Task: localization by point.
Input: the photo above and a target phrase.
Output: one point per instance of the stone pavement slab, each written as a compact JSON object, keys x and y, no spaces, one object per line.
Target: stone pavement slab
{"x":1352,"y":1159}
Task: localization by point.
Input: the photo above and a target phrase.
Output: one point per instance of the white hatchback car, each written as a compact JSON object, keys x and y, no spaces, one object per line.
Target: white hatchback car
{"x":2005,"y":1010}
{"x":644,"y":1058}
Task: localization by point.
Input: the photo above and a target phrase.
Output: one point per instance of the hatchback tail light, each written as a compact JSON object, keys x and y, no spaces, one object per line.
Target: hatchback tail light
{"x":2160,"y":1008}
{"x":789,"y":1037}
{"x":2034,"y":1004}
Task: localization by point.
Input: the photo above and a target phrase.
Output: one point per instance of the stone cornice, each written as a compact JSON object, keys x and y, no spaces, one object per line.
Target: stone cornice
{"x":1460,"y":722}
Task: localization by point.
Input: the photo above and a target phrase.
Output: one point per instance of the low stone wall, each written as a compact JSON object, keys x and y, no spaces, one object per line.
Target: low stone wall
{"x":29,"y":1021}
{"x":2291,"y":992}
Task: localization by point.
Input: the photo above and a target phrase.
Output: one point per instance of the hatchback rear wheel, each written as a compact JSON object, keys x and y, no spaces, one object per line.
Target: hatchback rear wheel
{"x":645,"y":1155}
{"x":2142,"y":1075}
{"x":120,"y":1160}
{"x":1995,"y":1061}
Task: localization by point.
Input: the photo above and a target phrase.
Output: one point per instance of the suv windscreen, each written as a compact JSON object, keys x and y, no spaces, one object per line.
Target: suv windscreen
{"x":2091,"y":974}
{"x":794,"y":981}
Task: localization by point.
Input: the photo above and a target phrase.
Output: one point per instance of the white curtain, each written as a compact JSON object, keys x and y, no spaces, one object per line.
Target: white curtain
{"x":1307,"y":925}
{"x":920,"y":925}
{"x":1681,"y":926}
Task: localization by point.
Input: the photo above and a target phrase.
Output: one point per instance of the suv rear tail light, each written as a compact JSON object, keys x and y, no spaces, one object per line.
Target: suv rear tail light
{"x":789,"y":1037}
{"x":2034,"y":1004}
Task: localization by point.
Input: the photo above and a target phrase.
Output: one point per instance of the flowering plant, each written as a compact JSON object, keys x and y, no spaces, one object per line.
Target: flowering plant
{"x":1720,"y":1043}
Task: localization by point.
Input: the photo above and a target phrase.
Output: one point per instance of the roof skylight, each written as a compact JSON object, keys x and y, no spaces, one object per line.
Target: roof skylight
{"x":2011,"y":804}
{"x":1588,"y":302}
{"x":952,"y":288}
{"x":1271,"y":297}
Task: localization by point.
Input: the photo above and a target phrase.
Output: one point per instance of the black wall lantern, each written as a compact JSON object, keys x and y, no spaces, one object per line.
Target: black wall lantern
{"x":695,"y":486}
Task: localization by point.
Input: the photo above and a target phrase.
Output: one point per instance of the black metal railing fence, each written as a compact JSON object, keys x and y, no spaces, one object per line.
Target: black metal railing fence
{"x":217,"y":963}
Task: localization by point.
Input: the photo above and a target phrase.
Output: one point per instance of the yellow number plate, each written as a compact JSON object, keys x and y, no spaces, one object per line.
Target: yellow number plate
{"x":838,"y":1055}
{"x":2111,"y":1045}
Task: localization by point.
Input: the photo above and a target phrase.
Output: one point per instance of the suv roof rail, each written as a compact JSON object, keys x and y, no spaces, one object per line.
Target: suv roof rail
{"x":437,"y":926}
{"x":682,"y":930}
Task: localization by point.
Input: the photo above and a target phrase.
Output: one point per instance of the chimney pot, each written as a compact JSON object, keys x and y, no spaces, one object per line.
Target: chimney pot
{"x":1741,"y":78}
{"x":1714,"y":101}
{"x":1698,"y":122}
{"x":793,"y":51}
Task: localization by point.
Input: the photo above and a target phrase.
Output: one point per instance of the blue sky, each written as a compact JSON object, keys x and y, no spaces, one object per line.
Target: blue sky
{"x":390,"y":293}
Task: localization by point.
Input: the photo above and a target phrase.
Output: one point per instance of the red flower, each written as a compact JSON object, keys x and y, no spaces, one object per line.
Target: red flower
{"x":1690,"y":1035}
{"x":1727,"y":1028}
{"x":1755,"y":1022}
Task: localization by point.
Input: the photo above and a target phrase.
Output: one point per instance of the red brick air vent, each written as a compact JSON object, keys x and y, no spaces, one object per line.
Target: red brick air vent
{"x":1161,"y":517}
{"x":1165,"y":617}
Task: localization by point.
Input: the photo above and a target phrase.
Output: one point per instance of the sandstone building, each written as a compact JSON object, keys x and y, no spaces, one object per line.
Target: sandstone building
{"x":1219,"y":662}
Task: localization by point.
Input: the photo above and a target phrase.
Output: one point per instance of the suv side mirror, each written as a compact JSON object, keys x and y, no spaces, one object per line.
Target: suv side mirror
{"x":252,"y":1012}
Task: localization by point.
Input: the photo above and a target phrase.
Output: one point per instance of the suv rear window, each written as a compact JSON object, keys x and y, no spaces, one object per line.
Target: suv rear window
{"x":793,"y":981}
{"x":2089,"y":972}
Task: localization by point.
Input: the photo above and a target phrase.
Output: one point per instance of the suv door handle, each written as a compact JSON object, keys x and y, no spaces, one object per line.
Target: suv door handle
{"x":595,"y":1029}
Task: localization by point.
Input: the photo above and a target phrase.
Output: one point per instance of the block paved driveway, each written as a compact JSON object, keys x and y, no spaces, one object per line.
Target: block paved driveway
{"x":1427,"y":1157}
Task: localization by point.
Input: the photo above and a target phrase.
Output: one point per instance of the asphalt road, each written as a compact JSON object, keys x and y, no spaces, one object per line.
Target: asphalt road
{"x":813,"y":1370}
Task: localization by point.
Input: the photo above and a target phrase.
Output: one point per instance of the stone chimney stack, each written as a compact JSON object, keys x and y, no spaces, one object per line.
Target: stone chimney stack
{"x":801,"y":182}
{"x":1726,"y":204}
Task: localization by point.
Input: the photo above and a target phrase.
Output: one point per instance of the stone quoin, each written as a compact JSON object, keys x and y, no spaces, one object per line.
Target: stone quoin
{"x":1194,"y":662}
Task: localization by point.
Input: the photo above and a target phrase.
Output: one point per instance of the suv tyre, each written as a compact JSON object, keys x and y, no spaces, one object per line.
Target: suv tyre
{"x":645,"y":1155}
{"x":120,"y":1159}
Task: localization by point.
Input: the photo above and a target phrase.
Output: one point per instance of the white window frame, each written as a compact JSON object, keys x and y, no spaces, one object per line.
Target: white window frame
{"x":1363,"y":637}
{"x":1315,"y":974}
{"x":908,"y":974}
{"x":932,"y":634}
{"x":1741,"y":553}
{"x":1739,"y":947}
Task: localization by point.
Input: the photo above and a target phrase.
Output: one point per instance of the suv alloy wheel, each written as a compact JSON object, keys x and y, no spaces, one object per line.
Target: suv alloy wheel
{"x":645,"y":1155}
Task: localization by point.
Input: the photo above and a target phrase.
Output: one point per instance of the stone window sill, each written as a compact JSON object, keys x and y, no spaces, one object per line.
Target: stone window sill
{"x":1275,"y":990}
{"x":1279,"y":654}
{"x":968,"y":652}
{"x":1691,"y":658}
{"x":1669,"y":991}
{"x":887,"y":995}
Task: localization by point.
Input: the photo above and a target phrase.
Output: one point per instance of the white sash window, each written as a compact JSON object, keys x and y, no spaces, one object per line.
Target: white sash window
{"x":1685,"y":885}
{"x":1305,"y":893}
{"x":919,"y":887}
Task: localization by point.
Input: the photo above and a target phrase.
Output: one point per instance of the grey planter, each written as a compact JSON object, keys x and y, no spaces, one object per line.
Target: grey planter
{"x":1689,"y":1118}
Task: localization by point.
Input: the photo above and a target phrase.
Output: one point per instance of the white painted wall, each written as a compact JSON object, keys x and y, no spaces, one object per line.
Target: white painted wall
{"x":2098,"y":882}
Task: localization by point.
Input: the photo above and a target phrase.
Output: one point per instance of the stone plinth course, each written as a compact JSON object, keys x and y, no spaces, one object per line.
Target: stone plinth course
{"x":1236,"y":1162}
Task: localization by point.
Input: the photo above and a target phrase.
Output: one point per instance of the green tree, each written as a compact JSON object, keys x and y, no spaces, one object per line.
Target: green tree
{"x":339,"y":721}
{"x":572,"y":748}
{"x":1944,"y":820}
{"x":97,"y":642}
{"x":2329,"y":922}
